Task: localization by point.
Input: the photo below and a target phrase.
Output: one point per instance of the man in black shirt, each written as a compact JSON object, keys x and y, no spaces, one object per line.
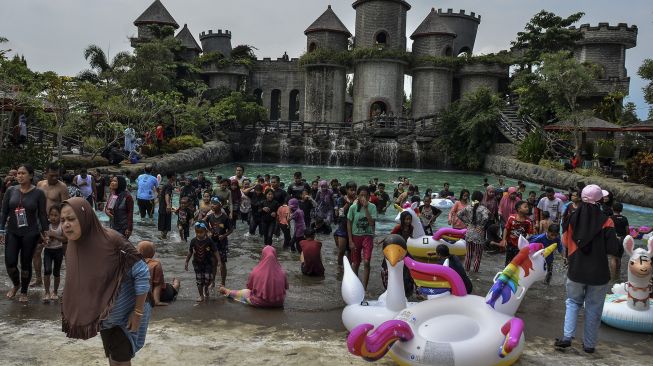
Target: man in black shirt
{"x":621,"y":228}
{"x":200,"y":184}
{"x":279,"y":194}
{"x":445,"y":193}
{"x":295,"y":189}
{"x":165,"y":206}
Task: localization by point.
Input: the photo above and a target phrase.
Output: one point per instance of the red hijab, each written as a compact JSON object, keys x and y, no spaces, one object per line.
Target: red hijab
{"x":268,"y":281}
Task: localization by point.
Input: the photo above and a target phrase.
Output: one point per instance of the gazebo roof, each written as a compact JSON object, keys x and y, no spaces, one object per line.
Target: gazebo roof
{"x":156,"y":14}
{"x":588,"y":123}
{"x":646,"y":126}
{"x":328,"y":22}
{"x":187,"y":40}
{"x":432,"y":25}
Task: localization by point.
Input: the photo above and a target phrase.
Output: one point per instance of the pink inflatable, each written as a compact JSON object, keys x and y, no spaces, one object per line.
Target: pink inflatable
{"x":449,"y":231}
{"x":562,"y":196}
{"x":638,"y":233}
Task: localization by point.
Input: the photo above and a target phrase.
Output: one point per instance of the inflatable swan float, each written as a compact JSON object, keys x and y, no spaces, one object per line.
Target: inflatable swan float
{"x":629,"y":307}
{"x":390,"y":303}
{"x":458,"y":329}
{"x":422,"y":246}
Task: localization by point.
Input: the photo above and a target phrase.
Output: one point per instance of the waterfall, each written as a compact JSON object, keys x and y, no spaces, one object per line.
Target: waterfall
{"x":385,"y":154}
{"x":311,"y":152}
{"x":356,"y":154}
{"x":417,"y":155}
{"x":338,"y":152}
{"x":257,"y":151}
{"x":284,"y":150}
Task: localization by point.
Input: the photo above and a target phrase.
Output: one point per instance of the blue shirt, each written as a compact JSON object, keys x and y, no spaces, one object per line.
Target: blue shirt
{"x":146,"y":183}
{"x":541,"y":238}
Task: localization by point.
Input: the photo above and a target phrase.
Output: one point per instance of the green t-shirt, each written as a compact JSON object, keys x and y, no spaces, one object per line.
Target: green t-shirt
{"x":359,"y":224}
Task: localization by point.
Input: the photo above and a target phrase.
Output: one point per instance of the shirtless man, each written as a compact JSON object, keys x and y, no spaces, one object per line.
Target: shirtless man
{"x":55,"y":193}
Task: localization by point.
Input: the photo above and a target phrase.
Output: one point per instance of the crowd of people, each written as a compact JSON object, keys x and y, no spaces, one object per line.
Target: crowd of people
{"x":43,"y":222}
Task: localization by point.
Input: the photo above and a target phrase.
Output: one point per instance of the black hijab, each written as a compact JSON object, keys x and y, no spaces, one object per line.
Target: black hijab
{"x":587,"y":222}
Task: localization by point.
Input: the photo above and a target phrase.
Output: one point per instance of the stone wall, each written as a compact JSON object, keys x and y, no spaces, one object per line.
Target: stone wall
{"x":285,"y":76}
{"x":212,"y":153}
{"x":631,"y":193}
{"x":326,"y":88}
{"x":373,"y":16}
{"x":378,"y":81}
{"x":432,"y":89}
{"x":328,"y":40}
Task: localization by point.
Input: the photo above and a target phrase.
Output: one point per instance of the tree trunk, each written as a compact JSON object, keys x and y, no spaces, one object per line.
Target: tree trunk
{"x":59,"y":142}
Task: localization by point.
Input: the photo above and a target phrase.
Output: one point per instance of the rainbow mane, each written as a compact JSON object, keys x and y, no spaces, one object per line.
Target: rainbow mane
{"x":373,"y":346}
{"x":508,"y":281}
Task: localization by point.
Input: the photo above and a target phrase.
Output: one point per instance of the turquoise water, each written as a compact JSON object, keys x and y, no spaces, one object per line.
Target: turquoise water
{"x":424,"y":179}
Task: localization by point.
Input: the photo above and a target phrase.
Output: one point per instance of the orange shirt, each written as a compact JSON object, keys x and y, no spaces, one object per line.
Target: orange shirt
{"x":283,"y":215}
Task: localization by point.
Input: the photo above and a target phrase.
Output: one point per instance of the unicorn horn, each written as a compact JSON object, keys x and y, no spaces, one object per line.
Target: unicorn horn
{"x":548,"y":250}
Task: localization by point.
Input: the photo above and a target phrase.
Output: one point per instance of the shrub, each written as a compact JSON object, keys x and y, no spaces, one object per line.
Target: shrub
{"x":532,"y":148}
{"x":640,"y":168}
{"x":591,"y":172}
{"x":93,"y":143}
{"x":184,"y":142}
{"x":551,"y":164}
{"x":36,"y":155}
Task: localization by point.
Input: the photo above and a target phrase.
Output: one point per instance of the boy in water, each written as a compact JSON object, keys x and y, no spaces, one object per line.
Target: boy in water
{"x":220,"y":227}
{"x":184,"y":218}
{"x":516,"y":226}
{"x":545,"y":222}
{"x":296,"y":215}
{"x":53,"y":254}
{"x":550,"y":236}
{"x":203,"y":251}
{"x":311,"y":257}
{"x":384,"y":199}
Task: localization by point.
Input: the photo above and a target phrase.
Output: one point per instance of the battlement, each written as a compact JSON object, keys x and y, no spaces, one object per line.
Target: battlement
{"x":220,"y":33}
{"x":269,"y":60}
{"x":460,"y":14}
{"x":604,"y":33}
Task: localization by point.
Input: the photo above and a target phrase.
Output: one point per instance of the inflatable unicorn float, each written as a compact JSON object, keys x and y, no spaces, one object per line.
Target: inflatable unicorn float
{"x":421,"y":245}
{"x":458,"y":329}
{"x":629,"y":307}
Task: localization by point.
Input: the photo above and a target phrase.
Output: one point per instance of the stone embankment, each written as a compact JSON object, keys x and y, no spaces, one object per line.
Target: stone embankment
{"x":212,"y":153}
{"x":631,"y":193}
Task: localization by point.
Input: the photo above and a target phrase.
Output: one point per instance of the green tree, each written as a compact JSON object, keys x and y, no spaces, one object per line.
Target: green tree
{"x":101,"y":69}
{"x":646,"y":72}
{"x":611,"y":108}
{"x":547,"y":32}
{"x":468,"y":127}
{"x":629,"y":115}
{"x":236,"y":108}
{"x":5,"y":51}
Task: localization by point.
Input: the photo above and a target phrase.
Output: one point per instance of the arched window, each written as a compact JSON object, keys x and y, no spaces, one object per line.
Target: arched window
{"x":378,"y":109}
{"x":448,"y":51}
{"x":258,"y":94}
{"x":275,"y":105}
{"x":293,"y":106}
{"x":381,"y":38}
{"x":312,"y":47}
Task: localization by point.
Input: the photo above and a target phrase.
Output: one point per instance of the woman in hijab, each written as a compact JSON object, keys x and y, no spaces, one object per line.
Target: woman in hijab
{"x":325,"y":204}
{"x":267,"y":284}
{"x":590,"y":237}
{"x":490,"y":202}
{"x":162,"y":293}
{"x":120,"y":208}
{"x":507,"y":205}
{"x":107,"y":285}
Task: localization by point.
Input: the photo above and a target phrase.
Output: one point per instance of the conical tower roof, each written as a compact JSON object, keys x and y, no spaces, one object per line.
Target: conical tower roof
{"x":432,"y":25}
{"x":187,"y":40}
{"x":156,"y":14}
{"x":328,"y":22}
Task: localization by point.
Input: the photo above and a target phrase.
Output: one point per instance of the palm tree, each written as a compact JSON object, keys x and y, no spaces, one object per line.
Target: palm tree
{"x":101,"y":69}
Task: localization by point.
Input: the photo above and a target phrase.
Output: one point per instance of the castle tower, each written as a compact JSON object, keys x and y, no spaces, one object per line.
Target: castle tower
{"x":432,"y":85}
{"x":606,"y":46}
{"x":190,"y":49}
{"x":155,"y":14}
{"x":217,"y":42}
{"x":326,"y":84}
{"x":379,"y":83}
{"x":216,"y":75}
{"x":464,"y":25}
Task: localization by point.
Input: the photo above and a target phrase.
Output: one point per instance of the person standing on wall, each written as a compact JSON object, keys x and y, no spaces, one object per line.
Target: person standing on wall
{"x":86,"y":185}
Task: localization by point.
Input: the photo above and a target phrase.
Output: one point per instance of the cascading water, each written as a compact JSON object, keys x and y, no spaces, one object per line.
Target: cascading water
{"x":356,"y":154}
{"x":339,"y":151}
{"x":311,"y":152}
{"x":257,"y":150}
{"x":385,"y":154}
{"x":417,"y":155}
{"x":284,"y":150}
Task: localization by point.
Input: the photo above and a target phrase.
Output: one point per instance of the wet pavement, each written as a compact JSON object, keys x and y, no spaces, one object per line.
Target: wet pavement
{"x":308,"y":329}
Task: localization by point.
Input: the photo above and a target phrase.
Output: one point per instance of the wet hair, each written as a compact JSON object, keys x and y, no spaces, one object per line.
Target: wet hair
{"x":549,"y":190}
{"x":381,"y":185}
{"x":351,"y":184}
{"x":53,"y":167}
{"x":518,"y":204}
{"x":462,"y":193}
{"x":361,"y":189}
{"x":268,"y":190}
{"x":477,"y":197}
{"x":372,"y":188}
{"x":414,"y":199}
{"x":554,"y":228}
{"x":55,"y":208}
{"x":442,"y":250}
{"x":297,"y":175}
{"x":275,"y":177}
{"x":241,"y":167}
{"x":445,"y":184}
{"x":309,"y":233}
{"x":402,"y":217}
{"x":227,"y":181}
{"x":617,"y":207}
{"x":29,"y":168}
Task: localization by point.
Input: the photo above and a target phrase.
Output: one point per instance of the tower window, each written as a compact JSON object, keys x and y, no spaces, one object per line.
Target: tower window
{"x":381,"y":38}
{"x":312,"y":47}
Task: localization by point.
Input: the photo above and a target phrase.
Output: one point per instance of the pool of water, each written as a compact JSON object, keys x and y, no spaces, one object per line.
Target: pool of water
{"x":424,"y":179}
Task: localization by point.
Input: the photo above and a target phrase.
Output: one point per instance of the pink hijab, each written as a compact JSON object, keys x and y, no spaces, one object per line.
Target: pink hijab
{"x":268,"y":281}
{"x":507,"y":206}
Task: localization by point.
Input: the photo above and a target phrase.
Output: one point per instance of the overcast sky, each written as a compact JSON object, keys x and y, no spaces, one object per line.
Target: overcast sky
{"x":52,"y":34}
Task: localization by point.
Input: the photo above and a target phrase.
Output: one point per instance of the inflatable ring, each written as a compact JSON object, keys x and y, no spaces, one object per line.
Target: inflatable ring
{"x":618,"y":315}
{"x":424,"y":247}
{"x":638,"y":233}
{"x":449,"y":231}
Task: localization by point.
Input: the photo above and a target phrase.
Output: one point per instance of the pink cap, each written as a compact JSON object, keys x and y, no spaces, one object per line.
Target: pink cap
{"x":593,"y":193}
{"x":512,"y":190}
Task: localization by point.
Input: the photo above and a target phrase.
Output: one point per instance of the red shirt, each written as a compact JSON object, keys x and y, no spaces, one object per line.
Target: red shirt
{"x":515,"y":228}
{"x":159,"y":133}
{"x":312,"y":260}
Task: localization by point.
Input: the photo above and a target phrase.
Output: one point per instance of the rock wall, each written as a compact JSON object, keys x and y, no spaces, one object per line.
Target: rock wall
{"x":634,"y":194}
{"x":212,"y":153}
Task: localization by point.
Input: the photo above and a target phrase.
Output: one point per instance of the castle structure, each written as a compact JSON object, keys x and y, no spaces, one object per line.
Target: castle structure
{"x":317,"y":92}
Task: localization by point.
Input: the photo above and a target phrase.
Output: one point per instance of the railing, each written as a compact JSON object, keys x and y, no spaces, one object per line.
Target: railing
{"x":45,"y":137}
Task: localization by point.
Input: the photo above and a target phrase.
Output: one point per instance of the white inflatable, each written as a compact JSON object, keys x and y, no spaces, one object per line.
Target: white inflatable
{"x":629,"y":307}
{"x":389,"y":304}
{"x":459,"y":329}
{"x":422,"y":246}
